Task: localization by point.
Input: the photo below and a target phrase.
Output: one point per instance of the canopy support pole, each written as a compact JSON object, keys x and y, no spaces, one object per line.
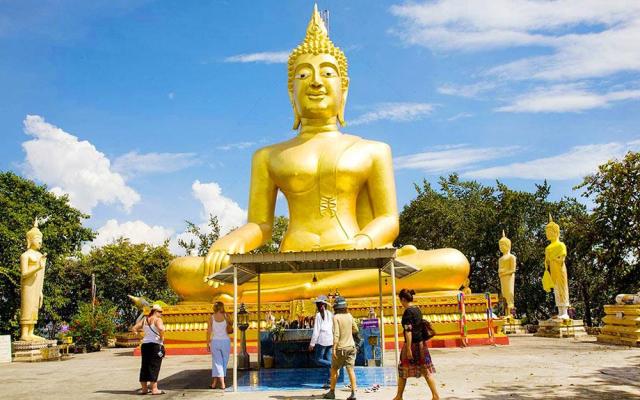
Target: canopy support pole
{"x":395,"y":312}
{"x":235,"y":328}
{"x":259,"y":330}
{"x":381,"y":317}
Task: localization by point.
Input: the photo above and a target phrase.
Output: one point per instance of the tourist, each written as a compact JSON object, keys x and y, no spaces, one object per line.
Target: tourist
{"x":219,"y":344}
{"x":152,"y":350}
{"x":415,"y":360}
{"x":344,"y":354}
{"x":322,"y":337}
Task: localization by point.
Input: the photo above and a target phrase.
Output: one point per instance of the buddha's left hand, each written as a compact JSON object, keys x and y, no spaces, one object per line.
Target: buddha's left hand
{"x":362,"y":241}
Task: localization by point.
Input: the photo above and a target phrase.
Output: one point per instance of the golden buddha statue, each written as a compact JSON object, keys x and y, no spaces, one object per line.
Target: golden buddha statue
{"x":554,"y":255}
{"x":507,"y":273}
{"x":340,"y":191}
{"x":32,"y":266}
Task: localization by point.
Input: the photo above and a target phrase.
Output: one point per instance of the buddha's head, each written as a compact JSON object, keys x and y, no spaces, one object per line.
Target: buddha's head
{"x":505,"y":244}
{"x":317,"y":76}
{"x":552,"y":230}
{"x":34,"y":237}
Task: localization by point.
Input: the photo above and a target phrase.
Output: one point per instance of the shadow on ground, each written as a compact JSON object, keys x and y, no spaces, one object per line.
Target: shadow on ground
{"x":610,"y":384}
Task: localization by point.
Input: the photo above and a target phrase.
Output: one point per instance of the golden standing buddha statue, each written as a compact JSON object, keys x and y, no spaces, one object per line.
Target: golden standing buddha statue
{"x":554,"y":256}
{"x":507,"y":273}
{"x":340,"y":191}
{"x":32,"y":268}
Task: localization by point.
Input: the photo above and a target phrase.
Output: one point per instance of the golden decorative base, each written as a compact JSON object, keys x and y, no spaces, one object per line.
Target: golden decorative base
{"x":513,"y":326}
{"x":561,"y":328}
{"x":622,"y":325}
{"x":186,"y":323}
{"x":42,"y":350}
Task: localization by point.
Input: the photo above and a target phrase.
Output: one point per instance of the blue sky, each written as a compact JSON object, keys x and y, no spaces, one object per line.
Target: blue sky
{"x":146,"y":113}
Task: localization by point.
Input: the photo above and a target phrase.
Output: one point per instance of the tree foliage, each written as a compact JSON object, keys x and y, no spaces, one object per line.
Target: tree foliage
{"x":280,"y":226}
{"x":123,"y":268}
{"x":470,"y":217}
{"x":21,"y":200}
{"x":204,"y":239}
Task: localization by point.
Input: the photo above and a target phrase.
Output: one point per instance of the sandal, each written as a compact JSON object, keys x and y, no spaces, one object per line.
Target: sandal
{"x":139,"y":391}
{"x":157,"y":393}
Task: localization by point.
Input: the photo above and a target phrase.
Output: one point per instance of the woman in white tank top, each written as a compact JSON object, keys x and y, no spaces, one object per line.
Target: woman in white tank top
{"x":219,"y":344}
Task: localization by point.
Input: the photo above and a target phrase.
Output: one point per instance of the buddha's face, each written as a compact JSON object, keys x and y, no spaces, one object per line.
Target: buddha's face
{"x":552,"y":234}
{"x":317,"y":87}
{"x":34,"y":242}
{"x":505,"y":247}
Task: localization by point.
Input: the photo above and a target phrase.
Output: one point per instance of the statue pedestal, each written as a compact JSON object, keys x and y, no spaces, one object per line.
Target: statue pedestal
{"x":561,"y":328}
{"x":513,"y":326}
{"x":621,"y":325}
{"x":43,"y":350}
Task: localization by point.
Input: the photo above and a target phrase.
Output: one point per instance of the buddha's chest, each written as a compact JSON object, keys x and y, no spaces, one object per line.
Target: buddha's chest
{"x":307,"y":166}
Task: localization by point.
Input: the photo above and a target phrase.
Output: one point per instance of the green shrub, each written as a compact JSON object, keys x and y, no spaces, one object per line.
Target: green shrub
{"x":93,"y":326}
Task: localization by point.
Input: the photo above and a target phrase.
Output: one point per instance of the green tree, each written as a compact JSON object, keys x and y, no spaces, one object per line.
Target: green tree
{"x":470,"y":217}
{"x":123,"y":268}
{"x":615,"y":192}
{"x":21,"y":200}
{"x":205,"y":240}
{"x":280,"y":226}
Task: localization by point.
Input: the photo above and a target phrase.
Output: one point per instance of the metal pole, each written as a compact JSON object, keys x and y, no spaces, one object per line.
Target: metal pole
{"x":259,"y":321}
{"x":395,"y":311}
{"x":235,"y":328}
{"x":381,"y":317}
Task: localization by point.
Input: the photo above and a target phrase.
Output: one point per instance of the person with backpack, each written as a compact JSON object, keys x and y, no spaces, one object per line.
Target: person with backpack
{"x":415,"y":360}
{"x":344,"y":347}
{"x":152,"y":350}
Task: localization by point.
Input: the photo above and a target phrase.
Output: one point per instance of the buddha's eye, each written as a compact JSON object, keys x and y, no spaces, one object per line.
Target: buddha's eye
{"x":328,"y":72}
{"x":303,"y":74}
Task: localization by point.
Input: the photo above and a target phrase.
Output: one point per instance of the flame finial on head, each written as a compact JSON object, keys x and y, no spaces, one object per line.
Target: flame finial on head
{"x":34,"y":232}
{"x":504,"y":239}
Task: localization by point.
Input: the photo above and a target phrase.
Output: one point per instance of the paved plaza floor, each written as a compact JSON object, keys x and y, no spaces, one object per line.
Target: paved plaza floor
{"x":530,"y":368}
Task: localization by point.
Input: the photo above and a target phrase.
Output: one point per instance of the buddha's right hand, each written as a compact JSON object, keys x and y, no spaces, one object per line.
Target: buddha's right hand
{"x":215,"y":260}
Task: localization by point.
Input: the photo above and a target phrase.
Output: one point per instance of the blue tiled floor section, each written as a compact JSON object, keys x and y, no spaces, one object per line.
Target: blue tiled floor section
{"x":310,"y":378}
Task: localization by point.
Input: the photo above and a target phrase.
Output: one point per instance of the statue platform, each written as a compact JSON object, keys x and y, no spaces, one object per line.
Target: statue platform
{"x":621,"y":325}
{"x":186,"y":324}
{"x":42,"y":350}
{"x":513,"y":326}
{"x":561,"y":328}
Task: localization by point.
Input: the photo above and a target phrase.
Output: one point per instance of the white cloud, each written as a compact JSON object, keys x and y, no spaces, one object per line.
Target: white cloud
{"x":268,"y":57}
{"x":451,"y":158}
{"x":578,"y":162}
{"x":472,"y":90}
{"x":460,"y":24}
{"x":566,"y":98}
{"x":74,"y":167}
{"x":581,"y":39}
{"x":401,"y":112}
{"x":133,"y":163}
{"x":229,"y":213}
{"x":460,"y":116}
{"x":136,"y":231}
{"x":235,"y":146}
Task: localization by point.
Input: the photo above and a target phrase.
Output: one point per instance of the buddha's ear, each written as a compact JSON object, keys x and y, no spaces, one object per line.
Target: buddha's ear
{"x":296,"y":117}
{"x":345,"y":93}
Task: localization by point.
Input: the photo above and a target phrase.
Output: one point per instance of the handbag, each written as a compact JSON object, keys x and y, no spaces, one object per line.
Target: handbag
{"x":427,"y":330}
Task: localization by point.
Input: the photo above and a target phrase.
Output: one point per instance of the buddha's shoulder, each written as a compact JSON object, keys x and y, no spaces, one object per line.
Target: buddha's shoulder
{"x":373,"y":146}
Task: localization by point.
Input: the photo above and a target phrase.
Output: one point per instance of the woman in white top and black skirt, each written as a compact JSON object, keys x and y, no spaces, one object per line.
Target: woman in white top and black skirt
{"x":152,"y":350}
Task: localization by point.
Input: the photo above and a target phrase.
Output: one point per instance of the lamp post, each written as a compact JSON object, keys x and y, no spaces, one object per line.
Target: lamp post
{"x":243,"y":324}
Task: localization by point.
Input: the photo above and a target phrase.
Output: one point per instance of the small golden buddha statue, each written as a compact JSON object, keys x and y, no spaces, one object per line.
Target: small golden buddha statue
{"x":507,"y":273}
{"x":340,"y":190}
{"x":554,"y":255}
{"x":32,"y":268}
